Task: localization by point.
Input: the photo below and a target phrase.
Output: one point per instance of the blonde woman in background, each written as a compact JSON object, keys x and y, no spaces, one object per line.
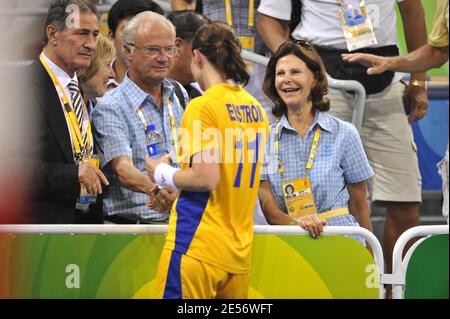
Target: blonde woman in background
{"x":94,"y":80}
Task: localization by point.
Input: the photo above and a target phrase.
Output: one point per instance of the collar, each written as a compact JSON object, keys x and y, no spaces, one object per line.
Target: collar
{"x":137,"y":96}
{"x":112,"y":84}
{"x":320,"y":118}
{"x":324,"y":121}
{"x":60,"y":74}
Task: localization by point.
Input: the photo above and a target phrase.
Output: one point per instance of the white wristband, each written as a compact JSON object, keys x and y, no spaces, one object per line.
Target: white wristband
{"x":164,"y":175}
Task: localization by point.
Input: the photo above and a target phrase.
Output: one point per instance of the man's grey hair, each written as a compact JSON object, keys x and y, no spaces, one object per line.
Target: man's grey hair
{"x":58,"y":12}
{"x":132,"y":27}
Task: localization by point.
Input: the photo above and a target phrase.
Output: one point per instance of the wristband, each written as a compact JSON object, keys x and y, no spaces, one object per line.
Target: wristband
{"x":164,"y":175}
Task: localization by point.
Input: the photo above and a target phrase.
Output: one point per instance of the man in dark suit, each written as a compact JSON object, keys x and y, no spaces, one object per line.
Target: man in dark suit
{"x":57,"y":160}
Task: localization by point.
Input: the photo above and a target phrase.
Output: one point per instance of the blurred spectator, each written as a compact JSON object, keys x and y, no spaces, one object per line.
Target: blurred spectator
{"x":336,"y":168}
{"x":94,"y":80}
{"x":14,"y":140}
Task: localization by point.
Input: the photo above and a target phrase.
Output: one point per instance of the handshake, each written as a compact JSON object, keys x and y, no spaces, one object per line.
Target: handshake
{"x":160,"y":199}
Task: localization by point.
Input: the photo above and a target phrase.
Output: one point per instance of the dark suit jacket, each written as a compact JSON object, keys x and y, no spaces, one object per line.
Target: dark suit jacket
{"x":51,"y":168}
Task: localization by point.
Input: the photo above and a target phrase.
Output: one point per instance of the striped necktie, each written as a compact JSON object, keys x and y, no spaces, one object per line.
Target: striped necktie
{"x":78,"y":106}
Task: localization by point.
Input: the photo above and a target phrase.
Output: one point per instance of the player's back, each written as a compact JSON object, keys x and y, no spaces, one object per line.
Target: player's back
{"x":217,"y":226}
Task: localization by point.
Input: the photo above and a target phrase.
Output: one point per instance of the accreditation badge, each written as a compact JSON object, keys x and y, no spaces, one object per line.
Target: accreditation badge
{"x":248,"y":44}
{"x":299,"y":198}
{"x":85,"y":198}
{"x":356,"y":24}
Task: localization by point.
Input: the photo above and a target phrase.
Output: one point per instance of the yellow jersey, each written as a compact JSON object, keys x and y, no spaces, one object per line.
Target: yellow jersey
{"x":217,"y":227}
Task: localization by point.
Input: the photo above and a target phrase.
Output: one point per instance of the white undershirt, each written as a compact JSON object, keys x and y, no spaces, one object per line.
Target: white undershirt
{"x":314,"y":12}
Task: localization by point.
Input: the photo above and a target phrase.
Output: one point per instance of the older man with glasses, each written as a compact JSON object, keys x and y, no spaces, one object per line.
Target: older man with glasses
{"x":145,"y":97}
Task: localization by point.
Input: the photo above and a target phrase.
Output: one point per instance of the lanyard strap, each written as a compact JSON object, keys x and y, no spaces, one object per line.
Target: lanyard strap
{"x":276,"y":145}
{"x":312,"y":153}
{"x":172,"y":125}
{"x":333,"y":213}
{"x":74,"y":126}
{"x":251,"y":13}
{"x":174,"y":130}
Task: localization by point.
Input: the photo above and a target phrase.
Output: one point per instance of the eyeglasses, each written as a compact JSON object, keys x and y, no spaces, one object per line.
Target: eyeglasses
{"x":170,"y":51}
{"x":303,"y":43}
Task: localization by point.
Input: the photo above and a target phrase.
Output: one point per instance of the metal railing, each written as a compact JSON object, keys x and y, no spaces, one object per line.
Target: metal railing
{"x":359,"y":96}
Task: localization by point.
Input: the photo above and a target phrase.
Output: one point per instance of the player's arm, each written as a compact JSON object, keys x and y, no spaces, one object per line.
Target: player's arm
{"x":202,"y":176}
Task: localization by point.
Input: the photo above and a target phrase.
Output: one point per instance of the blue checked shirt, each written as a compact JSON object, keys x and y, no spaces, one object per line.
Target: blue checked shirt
{"x":340,"y":159}
{"x":120,"y":132}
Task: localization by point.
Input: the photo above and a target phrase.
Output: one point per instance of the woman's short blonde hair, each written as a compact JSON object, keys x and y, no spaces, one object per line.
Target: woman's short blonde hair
{"x":104,"y":50}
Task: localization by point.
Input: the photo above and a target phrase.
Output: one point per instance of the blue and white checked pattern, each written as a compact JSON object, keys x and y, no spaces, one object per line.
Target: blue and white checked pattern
{"x":215,"y":11}
{"x":120,"y":132}
{"x":340,"y":159}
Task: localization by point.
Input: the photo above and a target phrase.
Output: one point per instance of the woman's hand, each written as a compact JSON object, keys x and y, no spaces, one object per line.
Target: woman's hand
{"x":313,"y":225}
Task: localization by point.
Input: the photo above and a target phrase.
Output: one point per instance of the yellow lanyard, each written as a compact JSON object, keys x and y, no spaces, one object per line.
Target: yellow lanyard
{"x":251,"y":13}
{"x":74,"y":126}
{"x":312,"y":153}
{"x":172,"y":124}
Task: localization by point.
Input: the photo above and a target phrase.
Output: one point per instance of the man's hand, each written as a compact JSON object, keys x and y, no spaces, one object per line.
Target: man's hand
{"x":375,"y":64}
{"x":91,"y":177}
{"x":151,"y":165}
{"x":162,"y":199}
{"x":415,"y":100}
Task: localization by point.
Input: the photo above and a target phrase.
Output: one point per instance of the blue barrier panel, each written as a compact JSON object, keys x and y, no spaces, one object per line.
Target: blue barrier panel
{"x":431,"y":137}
